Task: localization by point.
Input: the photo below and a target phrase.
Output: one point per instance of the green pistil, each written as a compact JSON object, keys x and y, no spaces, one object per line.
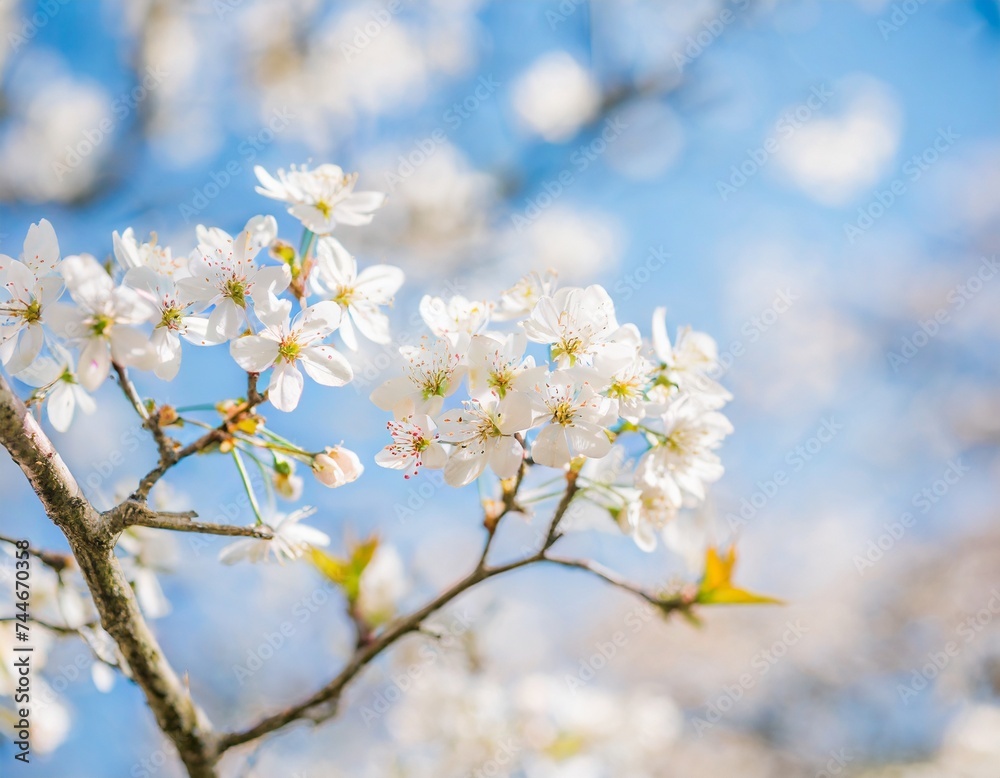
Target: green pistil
{"x":563,"y":413}
{"x":100,"y":324}
{"x":499,"y":382}
{"x":618,"y":390}
{"x":570,"y":348}
{"x":345,"y":296}
{"x":436,"y":385}
{"x":235,"y":290}
{"x":171,"y":318}
{"x":33,"y":312}
{"x":289,"y":351}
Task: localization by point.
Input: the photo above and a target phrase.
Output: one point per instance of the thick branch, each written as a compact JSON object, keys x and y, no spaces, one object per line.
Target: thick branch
{"x":91,"y":543}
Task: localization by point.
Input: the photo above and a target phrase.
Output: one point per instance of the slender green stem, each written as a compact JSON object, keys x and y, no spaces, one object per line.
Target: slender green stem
{"x":308,"y":239}
{"x":196,"y":423}
{"x":294,"y":451}
{"x":540,"y":497}
{"x":266,"y":473}
{"x":246,"y":484}
{"x":202,"y":407}
{"x":604,"y":487}
{"x":284,"y":441}
{"x":298,"y":453}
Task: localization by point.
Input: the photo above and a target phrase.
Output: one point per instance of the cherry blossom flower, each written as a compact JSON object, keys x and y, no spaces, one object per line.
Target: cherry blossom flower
{"x":175,"y":319}
{"x":684,"y":460}
{"x":283,"y":345}
{"x":575,"y":323}
{"x":414,"y":445}
{"x":337,"y":466}
{"x":497,"y":364}
{"x":650,"y":511}
{"x":130,"y":254}
{"x":101,"y":322}
{"x":435,"y":372}
{"x":623,"y":378}
{"x":360,"y":295}
{"x":54,"y":378}
{"x":518,"y":301}
{"x":483,"y":432}
{"x":457,"y":319}
{"x":223,"y":273}
{"x":688,"y":363}
{"x":30,"y":287}
{"x":320,"y":198}
{"x":290,"y":541}
{"x":576,"y":418}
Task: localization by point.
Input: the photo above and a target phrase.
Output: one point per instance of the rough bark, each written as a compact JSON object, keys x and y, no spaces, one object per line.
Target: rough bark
{"x":91,"y":540}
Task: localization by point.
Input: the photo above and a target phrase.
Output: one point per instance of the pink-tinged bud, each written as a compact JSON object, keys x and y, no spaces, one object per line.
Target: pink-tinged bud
{"x":337,"y":466}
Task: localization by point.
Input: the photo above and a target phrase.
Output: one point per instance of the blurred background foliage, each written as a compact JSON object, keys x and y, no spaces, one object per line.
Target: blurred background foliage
{"x":817,"y":184}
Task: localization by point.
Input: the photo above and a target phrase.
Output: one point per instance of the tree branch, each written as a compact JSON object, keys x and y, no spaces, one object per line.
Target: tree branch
{"x":212,"y":437}
{"x":328,"y":696}
{"x":58,"y":628}
{"x":136,"y":514}
{"x":510,"y":504}
{"x":322,"y":704}
{"x":52,"y":559}
{"x":166,"y":445}
{"x":92,"y":546}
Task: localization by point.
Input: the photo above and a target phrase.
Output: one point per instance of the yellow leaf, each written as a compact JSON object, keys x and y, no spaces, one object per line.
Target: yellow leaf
{"x":362,"y":553}
{"x":717,"y":587}
{"x":346,"y":573}
{"x":333,"y":568}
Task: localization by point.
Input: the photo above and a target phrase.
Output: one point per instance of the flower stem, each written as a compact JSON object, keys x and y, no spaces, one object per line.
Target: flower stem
{"x":308,"y":238}
{"x":285,"y":443}
{"x":246,"y":485}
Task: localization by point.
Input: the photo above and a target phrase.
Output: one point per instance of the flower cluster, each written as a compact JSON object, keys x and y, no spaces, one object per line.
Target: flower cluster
{"x":249,"y":290}
{"x":589,"y":384}
{"x":550,"y":376}
{"x":226,"y":290}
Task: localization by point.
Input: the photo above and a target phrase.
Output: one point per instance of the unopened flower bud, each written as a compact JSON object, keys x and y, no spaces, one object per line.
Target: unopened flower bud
{"x":337,"y":466}
{"x":167,"y":415}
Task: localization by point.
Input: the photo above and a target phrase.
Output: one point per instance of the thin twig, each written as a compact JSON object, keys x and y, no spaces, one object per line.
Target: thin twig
{"x":53,"y":559}
{"x":212,"y":437}
{"x":510,"y":505}
{"x":322,"y":704}
{"x":54,"y":627}
{"x":166,"y":445}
